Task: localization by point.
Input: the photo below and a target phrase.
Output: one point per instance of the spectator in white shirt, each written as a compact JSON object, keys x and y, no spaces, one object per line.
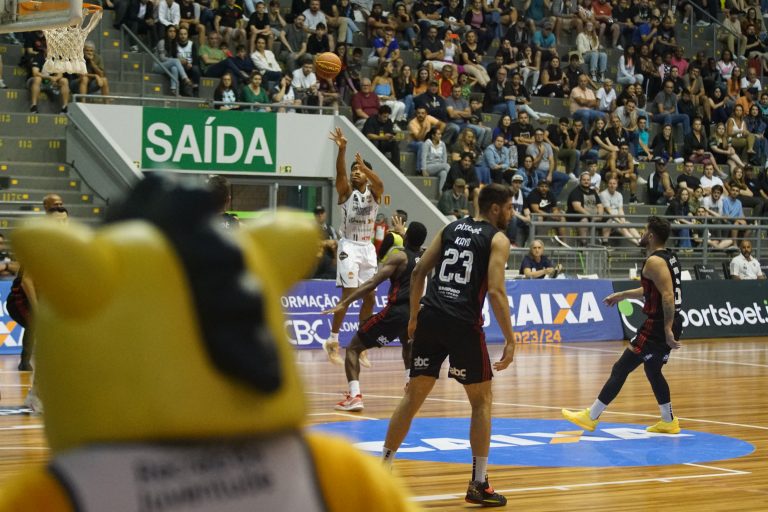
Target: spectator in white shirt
{"x":168,"y":14}
{"x":709,"y":180}
{"x":606,"y":97}
{"x":265,"y":61}
{"x":305,"y":83}
{"x":313,"y":16}
{"x":744,"y":266}
{"x":613,"y":202}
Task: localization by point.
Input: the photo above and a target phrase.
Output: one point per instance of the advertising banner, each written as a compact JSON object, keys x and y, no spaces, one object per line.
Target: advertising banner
{"x":542,"y":311}
{"x":10,"y":331}
{"x":711,"y":309}
{"x":201,"y":140}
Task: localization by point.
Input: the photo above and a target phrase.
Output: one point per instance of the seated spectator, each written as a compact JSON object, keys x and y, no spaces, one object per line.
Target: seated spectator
{"x":294,"y":42}
{"x":243,"y":62}
{"x":464,"y":169}
{"x":498,"y":160}
{"x":584,"y":200}
{"x":453,"y":202}
{"x":405,"y":27}
{"x":305,"y":85}
{"x":173,"y":66}
{"x":591,"y":52}
{"x":376,"y":22}
{"x":736,"y":129}
{"x":434,"y":157}
{"x":544,"y":162}
{"x":229,"y":22}
{"x":536,"y":265}
{"x":225,"y":96}
{"x":564,"y":147}
{"x":696,"y":144}
{"x":529,"y":178}
{"x":613,"y":205}
{"x":95,"y":78}
{"x":385,"y":49}
{"x":320,"y":41}
{"x":168,"y":15}
{"x":528,"y":69}
{"x":188,"y":54}
{"x":708,"y":179}
{"x":553,"y":82}
{"x":664,"y":145}
{"x":627,"y":73}
{"x":140,"y":19}
{"x":313,"y":16}
{"x":584,"y":102}
{"x":746,"y":194}
{"x":283,"y":93}
{"x":744,"y":267}
{"x":543,"y":203}
{"x":679,"y":208}
{"x":660,"y":189}
{"x":643,"y":150}
{"x":622,"y":167}
{"x":686,"y":179}
{"x":419,"y":127}
{"x":265,"y":61}
{"x":460,"y":114}
{"x":365,"y":103}
{"x":472,"y":59}
{"x":522,"y":98}
{"x":190,"y":12}
{"x":54,"y":85}
{"x":384,"y":88}
{"x":606,"y":97}
{"x":255,"y":93}
{"x":545,"y":43}
{"x":722,"y":148}
{"x":437,"y":108}
{"x":665,"y":104}
{"x":214,"y":61}
{"x":498,"y":96}
{"x":600,"y":140}
{"x":380,"y":131}
{"x":258,"y":25}
{"x":519,"y":227}
{"x":733,"y":210}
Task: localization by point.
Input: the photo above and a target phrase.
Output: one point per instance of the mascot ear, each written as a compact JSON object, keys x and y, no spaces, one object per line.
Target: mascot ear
{"x":291,"y":239}
{"x":75,"y":274}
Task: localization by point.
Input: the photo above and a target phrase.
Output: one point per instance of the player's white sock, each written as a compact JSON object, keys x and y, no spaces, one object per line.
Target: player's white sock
{"x":387,"y":457}
{"x":407,"y":376}
{"x":479,"y":469}
{"x":666,"y":412}
{"x":596,"y":410}
{"x":354,"y":388}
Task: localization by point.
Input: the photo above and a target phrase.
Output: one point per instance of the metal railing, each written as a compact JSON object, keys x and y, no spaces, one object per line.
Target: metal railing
{"x":126,"y":32}
{"x":717,"y":26}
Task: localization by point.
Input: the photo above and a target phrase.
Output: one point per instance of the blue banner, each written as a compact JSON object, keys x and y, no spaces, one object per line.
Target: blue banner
{"x":10,"y":331}
{"x":543,"y":311}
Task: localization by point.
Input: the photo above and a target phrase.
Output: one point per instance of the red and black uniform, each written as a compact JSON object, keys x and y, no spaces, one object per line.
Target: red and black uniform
{"x":652,"y":330}
{"x":391,"y":323}
{"x":451,"y":321}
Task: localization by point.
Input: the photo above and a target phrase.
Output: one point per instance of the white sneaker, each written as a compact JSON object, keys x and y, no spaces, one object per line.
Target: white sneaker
{"x":350,"y":403}
{"x":332,"y":350}
{"x":396,"y":128}
{"x":619,"y":47}
{"x":2,"y":84}
{"x":32,"y":401}
{"x":641,"y":181}
{"x":559,"y":241}
{"x":572,"y":177}
{"x":702,"y":23}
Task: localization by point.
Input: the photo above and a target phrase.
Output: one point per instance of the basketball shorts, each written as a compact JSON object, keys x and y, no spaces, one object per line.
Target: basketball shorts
{"x":388,"y":325}
{"x":355,"y":263}
{"x":439,"y":336}
{"x":650,"y":338}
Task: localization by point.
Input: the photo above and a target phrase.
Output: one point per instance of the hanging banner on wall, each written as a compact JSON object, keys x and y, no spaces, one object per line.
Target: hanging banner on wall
{"x":10,"y":331}
{"x":542,"y":311}
{"x":201,"y":140}
{"x":711,"y":309}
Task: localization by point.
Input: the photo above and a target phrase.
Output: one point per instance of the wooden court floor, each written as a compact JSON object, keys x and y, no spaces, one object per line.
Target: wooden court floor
{"x":718,"y":387}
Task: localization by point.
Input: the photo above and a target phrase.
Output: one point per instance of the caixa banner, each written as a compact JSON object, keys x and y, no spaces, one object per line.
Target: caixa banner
{"x":10,"y":331}
{"x":711,"y":309}
{"x":542,"y":311}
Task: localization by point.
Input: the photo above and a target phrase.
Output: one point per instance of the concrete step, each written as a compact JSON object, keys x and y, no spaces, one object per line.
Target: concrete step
{"x":42,"y":125}
{"x":427,"y":185}
{"x":46,"y":184}
{"x":75,"y":210}
{"x":8,"y":221}
{"x":32,"y":149}
{"x":17,"y":101}
{"x":32,"y":170}
{"x":28,"y":197}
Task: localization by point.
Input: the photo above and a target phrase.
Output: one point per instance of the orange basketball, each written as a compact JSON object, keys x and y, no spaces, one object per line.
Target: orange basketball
{"x":327,"y":65}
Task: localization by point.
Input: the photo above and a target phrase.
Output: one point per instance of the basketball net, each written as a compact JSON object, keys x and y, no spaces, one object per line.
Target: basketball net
{"x":65,"y":44}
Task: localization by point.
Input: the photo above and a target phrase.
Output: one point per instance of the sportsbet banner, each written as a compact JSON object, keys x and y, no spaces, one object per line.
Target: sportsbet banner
{"x":10,"y":331}
{"x":201,"y":140}
{"x":543,"y":311}
{"x":711,"y":309}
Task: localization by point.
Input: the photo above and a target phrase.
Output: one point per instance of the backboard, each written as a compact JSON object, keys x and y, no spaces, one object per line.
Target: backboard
{"x":27,"y":15}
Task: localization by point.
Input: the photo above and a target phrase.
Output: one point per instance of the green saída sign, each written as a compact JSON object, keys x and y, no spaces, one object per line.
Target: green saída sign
{"x":209,"y":140}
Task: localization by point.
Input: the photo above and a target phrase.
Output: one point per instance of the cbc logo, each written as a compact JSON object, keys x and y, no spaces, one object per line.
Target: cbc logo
{"x":302,"y":332}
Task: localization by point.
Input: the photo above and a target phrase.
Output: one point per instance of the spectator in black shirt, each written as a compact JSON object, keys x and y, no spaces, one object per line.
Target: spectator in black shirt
{"x":686,"y":179}
{"x":696,"y":144}
{"x":320,"y":41}
{"x":464,"y":169}
{"x":542,"y":202}
{"x":585,"y":201}
{"x":380,"y":130}
{"x":536,"y":265}
{"x":522,"y":133}
{"x":582,"y":141}
{"x":436,"y":107}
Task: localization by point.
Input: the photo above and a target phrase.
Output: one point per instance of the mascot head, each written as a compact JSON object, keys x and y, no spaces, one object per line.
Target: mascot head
{"x":161,"y":326}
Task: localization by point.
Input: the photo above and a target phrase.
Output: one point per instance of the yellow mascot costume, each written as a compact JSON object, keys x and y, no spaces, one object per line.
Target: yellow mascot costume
{"x":166,"y":376}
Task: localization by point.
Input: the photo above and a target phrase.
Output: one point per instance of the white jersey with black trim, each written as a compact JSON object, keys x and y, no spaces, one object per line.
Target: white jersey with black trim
{"x":358,"y":216}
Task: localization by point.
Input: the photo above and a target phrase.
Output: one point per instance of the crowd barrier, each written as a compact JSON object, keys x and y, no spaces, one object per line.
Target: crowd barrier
{"x":543,"y":311}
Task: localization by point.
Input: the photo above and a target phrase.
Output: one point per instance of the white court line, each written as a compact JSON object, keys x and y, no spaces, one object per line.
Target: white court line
{"x":438,"y":497}
{"x":24,"y":448}
{"x":23,"y":427}
{"x":349,"y":415}
{"x":15,"y":385}
{"x":735,"y":471}
{"x":678,"y":357}
{"x":551,"y":407}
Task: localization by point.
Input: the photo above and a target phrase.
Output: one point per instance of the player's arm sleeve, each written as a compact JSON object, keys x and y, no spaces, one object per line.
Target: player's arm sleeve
{"x":374,"y":489}
{"x":35,"y":490}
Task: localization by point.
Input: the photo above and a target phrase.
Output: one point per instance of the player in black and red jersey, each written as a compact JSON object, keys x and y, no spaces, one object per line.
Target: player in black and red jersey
{"x":658,"y":336}
{"x":468,"y":256}
{"x":389,"y":324}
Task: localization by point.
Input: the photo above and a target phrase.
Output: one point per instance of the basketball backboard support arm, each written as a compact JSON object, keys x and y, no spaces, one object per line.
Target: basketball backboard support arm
{"x":28,"y":15}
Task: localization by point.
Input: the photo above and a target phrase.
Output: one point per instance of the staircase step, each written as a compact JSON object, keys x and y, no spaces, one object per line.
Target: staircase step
{"x":427,"y":185}
{"x":45,"y":184}
{"x":75,"y":210}
{"x":42,"y":125}
{"x":35,"y":169}
{"x":32,"y":149}
{"x":17,"y":101}
{"x":33,"y":198}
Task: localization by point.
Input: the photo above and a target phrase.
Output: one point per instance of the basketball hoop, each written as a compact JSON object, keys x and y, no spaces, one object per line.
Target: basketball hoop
{"x":65,"y":43}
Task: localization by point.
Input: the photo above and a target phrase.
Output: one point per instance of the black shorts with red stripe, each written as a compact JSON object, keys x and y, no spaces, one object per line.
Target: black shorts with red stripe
{"x":439,"y":336}
{"x":388,"y":325}
{"x":650,"y":338}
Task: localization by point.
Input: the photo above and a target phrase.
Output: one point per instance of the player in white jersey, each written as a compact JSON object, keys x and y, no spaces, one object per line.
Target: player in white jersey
{"x":359,"y":197}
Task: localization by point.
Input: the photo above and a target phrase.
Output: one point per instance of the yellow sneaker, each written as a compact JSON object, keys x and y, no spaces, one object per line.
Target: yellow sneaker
{"x":363,"y":358}
{"x":580,"y":418}
{"x":665,"y":427}
{"x":332,"y":349}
